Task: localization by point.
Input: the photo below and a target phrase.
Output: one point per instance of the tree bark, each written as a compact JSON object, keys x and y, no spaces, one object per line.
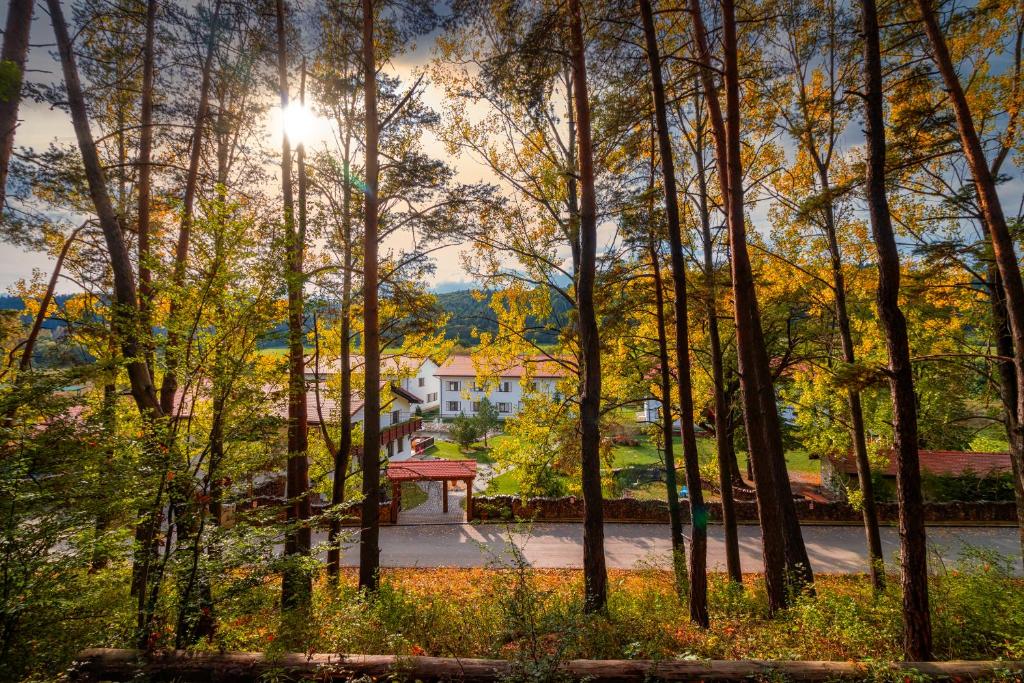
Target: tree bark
{"x":698,"y":511}
{"x":595,"y":576}
{"x":144,"y":184}
{"x":343,"y":455}
{"x":369,"y":533}
{"x":917,"y":630}
{"x":728,"y":469}
{"x":748,"y":322}
{"x":172,"y":354}
{"x":14,"y":51}
{"x":1008,"y":391}
{"x":296,"y":585}
{"x":126,"y":310}
{"x":730,"y":173}
{"x":995,"y":221}
{"x":674,"y":514}
{"x":876,"y":561}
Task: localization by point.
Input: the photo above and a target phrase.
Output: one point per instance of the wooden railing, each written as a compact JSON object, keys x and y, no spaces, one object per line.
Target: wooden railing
{"x":239,"y":667}
{"x":394,"y":431}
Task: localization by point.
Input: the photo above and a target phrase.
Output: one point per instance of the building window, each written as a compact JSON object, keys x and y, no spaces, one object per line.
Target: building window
{"x":453,"y":406}
{"x":396,"y":417}
{"x":423,"y":381}
{"x":391,"y":448}
{"x":504,"y":407}
{"x":453,"y":385}
{"x":505,"y":387}
{"x":401,"y":444}
{"x":476,"y":406}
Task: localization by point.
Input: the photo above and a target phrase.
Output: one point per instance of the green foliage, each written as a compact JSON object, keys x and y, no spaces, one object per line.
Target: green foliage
{"x":968,"y":486}
{"x":487,"y":419}
{"x":10,"y":80}
{"x":465,"y":430}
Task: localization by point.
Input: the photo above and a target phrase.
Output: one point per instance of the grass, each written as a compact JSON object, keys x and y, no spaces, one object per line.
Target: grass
{"x":503,"y":613}
{"x":634,"y":465}
{"x":506,"y":484}
{"x":510,"y":612}
{"x":412,"y":495}
{"x":449,"y":450}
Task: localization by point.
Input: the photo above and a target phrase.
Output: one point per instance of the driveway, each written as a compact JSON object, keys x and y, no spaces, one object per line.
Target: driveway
{"x":832,"y":549}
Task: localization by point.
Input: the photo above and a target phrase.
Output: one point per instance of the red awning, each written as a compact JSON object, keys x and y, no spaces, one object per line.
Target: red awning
{"x":431,"y":470}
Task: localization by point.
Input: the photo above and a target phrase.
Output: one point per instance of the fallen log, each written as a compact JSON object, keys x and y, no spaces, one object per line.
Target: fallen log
{"x":124,"y":665}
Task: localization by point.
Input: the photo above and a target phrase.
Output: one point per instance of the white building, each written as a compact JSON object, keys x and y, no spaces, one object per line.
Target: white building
{"x":398,"y":420}
{"x":461,"y":391}
{"x":415,"y":375}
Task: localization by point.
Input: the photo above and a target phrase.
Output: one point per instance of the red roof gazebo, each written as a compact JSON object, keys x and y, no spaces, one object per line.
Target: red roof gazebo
{"x":431,"y":470}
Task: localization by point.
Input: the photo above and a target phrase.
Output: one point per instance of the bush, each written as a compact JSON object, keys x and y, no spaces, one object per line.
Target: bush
{"x":465,"y":431}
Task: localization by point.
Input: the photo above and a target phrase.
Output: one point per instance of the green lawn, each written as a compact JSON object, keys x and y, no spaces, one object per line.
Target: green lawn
{"x":506,"y":484}
{"x":412,"y":495}
{"x":633,"y":462}
{"x":449,"y":450}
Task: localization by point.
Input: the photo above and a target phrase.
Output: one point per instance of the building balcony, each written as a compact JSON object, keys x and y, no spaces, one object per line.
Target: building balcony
{"x":393,"y":427}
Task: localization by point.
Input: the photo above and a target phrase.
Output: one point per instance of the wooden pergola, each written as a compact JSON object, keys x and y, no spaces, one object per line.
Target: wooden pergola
{"x":443,"y":471}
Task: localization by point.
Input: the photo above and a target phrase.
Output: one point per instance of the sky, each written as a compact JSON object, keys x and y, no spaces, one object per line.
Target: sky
{"x":40,"y":125}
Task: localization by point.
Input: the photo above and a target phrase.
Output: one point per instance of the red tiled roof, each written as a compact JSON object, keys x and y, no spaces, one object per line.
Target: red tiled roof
{"x":540,"y":366}
{"x":942,"y":463}
{"x":431,"y":470}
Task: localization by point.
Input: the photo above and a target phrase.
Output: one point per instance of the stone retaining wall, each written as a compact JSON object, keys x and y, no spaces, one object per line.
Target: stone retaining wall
{"x":497,"y":508}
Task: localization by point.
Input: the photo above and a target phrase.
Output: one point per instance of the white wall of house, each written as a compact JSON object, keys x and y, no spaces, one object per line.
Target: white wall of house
{"x":397,"y":411}
{"x":461,"y":395}
{"x":426,"y":386}
{"x":650,"y":411}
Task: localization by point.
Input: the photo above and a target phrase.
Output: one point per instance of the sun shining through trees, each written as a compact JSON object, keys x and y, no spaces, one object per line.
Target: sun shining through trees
{"x":299,"y":123}
{"x":736,"y":272}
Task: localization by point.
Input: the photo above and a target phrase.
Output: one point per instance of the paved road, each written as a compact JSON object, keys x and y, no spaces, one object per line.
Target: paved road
{"x":832,"y":549}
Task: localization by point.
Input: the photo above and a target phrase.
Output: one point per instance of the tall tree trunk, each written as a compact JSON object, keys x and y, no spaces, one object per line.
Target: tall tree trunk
{"x":172,"y":352}
{"x":343,"y":455}
{"x":728,"y":469}
{"x":748,"y":321}
{"x":730,"y":173}
{"x":124,"y":321}
{"x":296,"y":585}
{"x":994,"y":219}
{"x":595,"y":576}
{"x":126,"y":309}
{"x":674,"y":513}
{"x":698,"y":512}
{"x":100,"y":553}
{"x":869,"y":512}
{"x":1008,"y":390}
{"x":369,"y":534}
{"x":14,"y":52}
{"x":917,"y":629}
{"x":144,"y":184}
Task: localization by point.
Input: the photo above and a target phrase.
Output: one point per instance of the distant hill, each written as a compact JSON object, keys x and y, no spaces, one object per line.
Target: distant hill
{"x":468,"y":313}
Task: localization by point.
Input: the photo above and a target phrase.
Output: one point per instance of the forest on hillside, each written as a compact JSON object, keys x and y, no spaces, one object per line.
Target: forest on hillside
{"x":791,"y":226}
